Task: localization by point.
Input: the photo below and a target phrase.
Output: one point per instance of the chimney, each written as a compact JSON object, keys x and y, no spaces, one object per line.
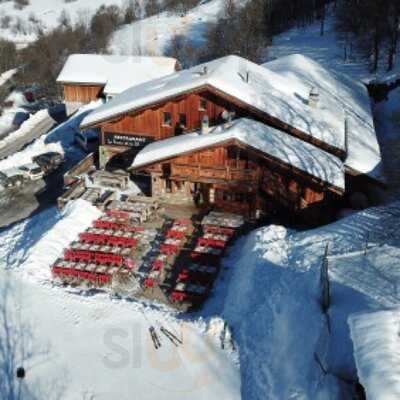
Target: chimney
{"x":205,"y":125}
{"x":228,"y":118}
{"x":313,"y":99}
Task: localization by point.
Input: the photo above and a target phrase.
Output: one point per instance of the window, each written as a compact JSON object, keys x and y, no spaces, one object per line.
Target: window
{"x":226,"y":196}
{"x":182,"y":120}
{"x":167,"y":119}
{"x":240,"y":197}
{"x":203,"y":105}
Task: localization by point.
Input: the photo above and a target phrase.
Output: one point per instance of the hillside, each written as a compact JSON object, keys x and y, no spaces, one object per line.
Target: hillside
{"x":47,"y":14}
{"x":153,"y":35}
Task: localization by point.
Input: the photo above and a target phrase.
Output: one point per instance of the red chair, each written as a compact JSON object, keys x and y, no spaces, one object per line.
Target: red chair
{"x":219,"y":230}
{"x":179,"y":296}
{"x":149,"y":282}
{"x":118,"y":214}
{"x":172,"y":234}
{"x":104,"y":278}
{"x":169,"y":249}
{"x":184,"y":275}
{"x":78,"y":255}
{"x":158,"y":265}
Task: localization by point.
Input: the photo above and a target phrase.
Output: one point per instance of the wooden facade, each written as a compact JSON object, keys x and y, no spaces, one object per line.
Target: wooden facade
{"x":84,"y":94}
{"x":234,"y":178}
{"x":185,"y":113}
{"x":230,"y":177}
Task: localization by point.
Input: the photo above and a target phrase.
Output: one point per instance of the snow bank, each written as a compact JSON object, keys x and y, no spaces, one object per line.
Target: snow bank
{"x":35,"y":120}
{"x":377,"y":352}
{"x":7,"y":75}
{"x":272,"y":301}
{"x":59,"y":139}
{"x":76,"y":217}
{"x":276,"y":321}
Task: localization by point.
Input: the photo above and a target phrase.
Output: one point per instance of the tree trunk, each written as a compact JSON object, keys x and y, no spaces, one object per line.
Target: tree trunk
{"x":393,"y":45}
{"x":376,"y":50}
{"x":323,"y":14}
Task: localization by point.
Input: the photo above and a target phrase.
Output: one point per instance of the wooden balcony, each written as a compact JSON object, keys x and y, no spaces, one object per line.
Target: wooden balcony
{"x":226,"y":174}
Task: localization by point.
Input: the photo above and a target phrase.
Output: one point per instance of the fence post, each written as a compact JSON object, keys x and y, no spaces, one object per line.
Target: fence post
{"x":325,"y":301}
{"x":366,"y":244}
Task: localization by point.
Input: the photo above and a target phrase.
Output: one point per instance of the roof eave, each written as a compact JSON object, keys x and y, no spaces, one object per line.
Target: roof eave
{"x":333,"y":188}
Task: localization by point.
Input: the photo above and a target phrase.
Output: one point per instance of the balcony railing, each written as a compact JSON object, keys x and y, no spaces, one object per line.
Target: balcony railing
{"x":231,"y":174}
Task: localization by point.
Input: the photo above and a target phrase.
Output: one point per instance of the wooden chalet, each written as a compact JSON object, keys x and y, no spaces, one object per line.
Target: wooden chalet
{"x":89,"y":77}
{"x":245,"y":167}
{"x":236,"y":175}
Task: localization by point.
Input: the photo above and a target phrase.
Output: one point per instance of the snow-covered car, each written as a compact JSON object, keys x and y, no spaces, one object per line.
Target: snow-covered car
{"x":12,"y":177}
{"x":49,"y":161}
{"x":32,"y":171}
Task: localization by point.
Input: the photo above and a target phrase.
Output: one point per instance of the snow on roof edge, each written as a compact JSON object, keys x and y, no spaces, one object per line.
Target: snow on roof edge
{"x":375,"y":336}
{"x":300,"y":155}
{"x":265,"y":91}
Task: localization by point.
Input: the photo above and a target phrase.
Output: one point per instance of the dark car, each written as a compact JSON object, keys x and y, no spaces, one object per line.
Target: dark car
{"x":49,"y":161}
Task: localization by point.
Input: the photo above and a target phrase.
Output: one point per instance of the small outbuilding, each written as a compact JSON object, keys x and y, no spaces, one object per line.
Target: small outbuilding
{"x":88,"y":77}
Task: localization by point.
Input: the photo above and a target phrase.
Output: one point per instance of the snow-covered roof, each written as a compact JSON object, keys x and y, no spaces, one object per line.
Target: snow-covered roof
{"x":363,"y":151}
{"x":279,"y":145}
{"x":116,"y":73}
{"x":376,"y":343}
{"x":265,"y":90}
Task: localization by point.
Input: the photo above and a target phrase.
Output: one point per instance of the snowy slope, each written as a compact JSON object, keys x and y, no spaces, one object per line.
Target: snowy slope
{"x":272,"y":303}
{"x":326,"y":50}
{"x":152,"y":36}
{"x":48,"y":13}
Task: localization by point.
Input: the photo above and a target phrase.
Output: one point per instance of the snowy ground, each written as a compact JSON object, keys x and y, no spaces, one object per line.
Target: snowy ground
{"x":273,"y":302}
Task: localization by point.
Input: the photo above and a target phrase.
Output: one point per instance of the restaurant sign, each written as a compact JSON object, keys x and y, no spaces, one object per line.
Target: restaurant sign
{"x":120,"y":139}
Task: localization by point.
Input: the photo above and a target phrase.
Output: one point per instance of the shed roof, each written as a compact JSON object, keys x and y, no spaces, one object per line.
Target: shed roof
{"x":116,"y":73}
{"x":279,"y":145}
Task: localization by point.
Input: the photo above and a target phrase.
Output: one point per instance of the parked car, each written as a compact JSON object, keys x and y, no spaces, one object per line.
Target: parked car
{"x":32,"y":171}
{"x":12,"y":177}
{"x":88,"y":141}
{"x":49,"y":161}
